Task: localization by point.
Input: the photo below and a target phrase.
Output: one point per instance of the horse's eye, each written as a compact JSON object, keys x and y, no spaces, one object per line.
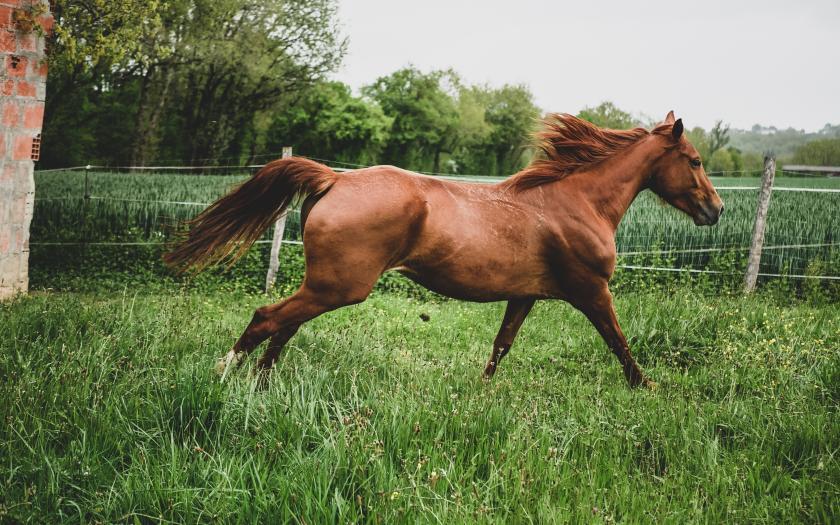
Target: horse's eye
{"x":696,"y":163}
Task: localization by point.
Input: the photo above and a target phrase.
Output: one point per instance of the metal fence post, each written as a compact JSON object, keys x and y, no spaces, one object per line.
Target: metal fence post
{"x":760,"y":222}
{"x":276,"y":240}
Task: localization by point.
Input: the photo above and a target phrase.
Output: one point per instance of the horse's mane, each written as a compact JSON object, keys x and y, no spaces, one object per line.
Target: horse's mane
{"x":568,"y":143}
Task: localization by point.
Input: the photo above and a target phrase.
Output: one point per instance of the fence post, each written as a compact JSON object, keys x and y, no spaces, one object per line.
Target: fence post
{"x":85,"y":201}
{"x":760,"y":222}
{"x":276,"y":241}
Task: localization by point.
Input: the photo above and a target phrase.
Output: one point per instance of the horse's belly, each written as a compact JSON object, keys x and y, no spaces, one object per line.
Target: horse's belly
{"x":480,"y":282}
{"x":443,"y":286}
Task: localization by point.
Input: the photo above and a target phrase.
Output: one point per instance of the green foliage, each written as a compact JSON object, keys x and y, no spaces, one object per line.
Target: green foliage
{"x":111,"y":414}
{"x":424,"y":116}
{"x":495,"y":129}
{"x":95,"y":33}
{"x":721,"y":161}
{"x":718,"y":137}
{"x":824,"y":152}
{"x":231,"y":81}
{"x":246,"y":56}
{"x":607,"y":115}
{"x":331,"y":123}
{"x":191,"y":76}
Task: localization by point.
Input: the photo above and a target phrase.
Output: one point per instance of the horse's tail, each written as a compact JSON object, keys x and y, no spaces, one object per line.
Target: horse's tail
{"x":229,"y":226}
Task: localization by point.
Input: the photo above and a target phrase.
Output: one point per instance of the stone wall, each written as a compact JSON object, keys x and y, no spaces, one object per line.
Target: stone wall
{"x":23,"y":75}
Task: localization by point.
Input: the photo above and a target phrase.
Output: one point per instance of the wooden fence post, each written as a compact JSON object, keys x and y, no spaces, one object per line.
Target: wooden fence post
{"x":760,"y":222}
{"x":276,"y":241}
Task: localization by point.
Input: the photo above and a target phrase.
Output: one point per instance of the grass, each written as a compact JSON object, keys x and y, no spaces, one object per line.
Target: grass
{"x":111,"y":414}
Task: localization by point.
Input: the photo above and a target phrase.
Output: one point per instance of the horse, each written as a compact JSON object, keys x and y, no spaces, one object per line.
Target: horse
{"x":547,"y":232}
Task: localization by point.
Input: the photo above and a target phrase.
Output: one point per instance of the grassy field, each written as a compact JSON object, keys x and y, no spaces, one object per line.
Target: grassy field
{"x":111,"y":414}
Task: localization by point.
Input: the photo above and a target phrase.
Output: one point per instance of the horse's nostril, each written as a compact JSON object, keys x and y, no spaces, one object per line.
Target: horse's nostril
{"x":721,"y":210}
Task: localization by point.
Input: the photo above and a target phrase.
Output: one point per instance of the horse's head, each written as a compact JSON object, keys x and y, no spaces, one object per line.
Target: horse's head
{"x":679,"y":178}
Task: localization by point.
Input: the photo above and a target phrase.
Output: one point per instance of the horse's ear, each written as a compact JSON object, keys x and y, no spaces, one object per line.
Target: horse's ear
{"x":677,"y":130}
{"x":669,"y":118}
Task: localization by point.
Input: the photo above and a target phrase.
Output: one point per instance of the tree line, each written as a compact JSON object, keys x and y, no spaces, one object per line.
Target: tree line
{"x":209,"y":82}
{"x":205,"y":82}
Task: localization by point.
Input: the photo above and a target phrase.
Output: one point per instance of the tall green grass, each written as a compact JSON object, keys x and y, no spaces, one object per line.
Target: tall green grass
{"x":111,"y":414}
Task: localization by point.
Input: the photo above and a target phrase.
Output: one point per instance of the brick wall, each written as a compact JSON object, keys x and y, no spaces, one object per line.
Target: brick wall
{"x":23,"y":76}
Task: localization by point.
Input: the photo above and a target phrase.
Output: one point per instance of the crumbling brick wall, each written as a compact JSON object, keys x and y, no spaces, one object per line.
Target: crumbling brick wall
{"x":23,"y":78}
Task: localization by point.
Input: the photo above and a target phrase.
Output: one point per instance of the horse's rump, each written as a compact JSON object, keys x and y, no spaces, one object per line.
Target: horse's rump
{"x":229,"y":226}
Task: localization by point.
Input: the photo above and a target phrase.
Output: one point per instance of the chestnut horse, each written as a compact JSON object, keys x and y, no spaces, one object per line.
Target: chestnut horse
{"x":547,"y":232}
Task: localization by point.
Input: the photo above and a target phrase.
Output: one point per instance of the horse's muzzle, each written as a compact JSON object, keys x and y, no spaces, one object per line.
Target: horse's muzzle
{"x":708,"y":214}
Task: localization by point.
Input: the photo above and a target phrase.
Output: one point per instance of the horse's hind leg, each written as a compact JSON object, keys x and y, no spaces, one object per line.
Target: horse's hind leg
{"x":515,"y":314}
{"x":275,"y":347}
{"x":280,"y":321}
{"x":276,"y":319}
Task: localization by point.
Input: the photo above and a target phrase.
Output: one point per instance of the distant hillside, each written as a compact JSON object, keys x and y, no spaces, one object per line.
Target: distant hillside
{"x":783,"y":142}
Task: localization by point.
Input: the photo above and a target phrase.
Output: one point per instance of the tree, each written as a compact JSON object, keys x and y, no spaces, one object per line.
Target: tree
{"x":495,"y":128}
{"x":90,"y":34}
{"x":198,"y":71}
{"x":607,"y":115}
{"x":824,"y":152}
{"x":718,"y":137}
{"x":93,"y":43}
{"x":698,"y":138}
{"x":424,"y":116}
{"x":242,"y":57}
{"x":720,"y":161}
{"x":513,"y":116}
{"x":329,"y":122}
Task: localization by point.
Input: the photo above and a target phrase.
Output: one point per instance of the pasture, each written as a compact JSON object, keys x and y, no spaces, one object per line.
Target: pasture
{"x":112,"y":414}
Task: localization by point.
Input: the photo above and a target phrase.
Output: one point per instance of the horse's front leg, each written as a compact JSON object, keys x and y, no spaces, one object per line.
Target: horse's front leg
{"x":600,"y":311}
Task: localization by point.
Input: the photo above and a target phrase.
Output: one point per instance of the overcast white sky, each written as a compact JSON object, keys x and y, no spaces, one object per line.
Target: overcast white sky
{"x":744,"y":61}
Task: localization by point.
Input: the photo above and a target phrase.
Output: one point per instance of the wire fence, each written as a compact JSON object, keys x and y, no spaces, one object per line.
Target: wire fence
{"x":125,"y":206}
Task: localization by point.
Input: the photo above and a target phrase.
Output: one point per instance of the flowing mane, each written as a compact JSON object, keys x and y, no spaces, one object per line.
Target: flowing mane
{"x":568,"y":143}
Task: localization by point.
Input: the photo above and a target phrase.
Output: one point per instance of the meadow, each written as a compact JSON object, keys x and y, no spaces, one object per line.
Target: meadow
{"x":112,"y":414}
{"x":377,"y":413}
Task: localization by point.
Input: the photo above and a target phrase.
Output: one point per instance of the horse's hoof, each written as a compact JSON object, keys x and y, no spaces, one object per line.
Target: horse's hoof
{"x":650,"y":385}
{"x":489,"y":371}
{"x":223,"y":364}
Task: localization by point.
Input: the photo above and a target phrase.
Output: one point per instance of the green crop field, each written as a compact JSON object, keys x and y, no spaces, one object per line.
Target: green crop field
{"x":803,"y":232}
{"x":111,"y":414}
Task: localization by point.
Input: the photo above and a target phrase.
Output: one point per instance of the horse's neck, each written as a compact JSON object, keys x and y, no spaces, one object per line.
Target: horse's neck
{"x":613,"y":184}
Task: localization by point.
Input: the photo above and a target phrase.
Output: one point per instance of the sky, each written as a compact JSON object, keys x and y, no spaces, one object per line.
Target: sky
{"x":743,"y":61}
